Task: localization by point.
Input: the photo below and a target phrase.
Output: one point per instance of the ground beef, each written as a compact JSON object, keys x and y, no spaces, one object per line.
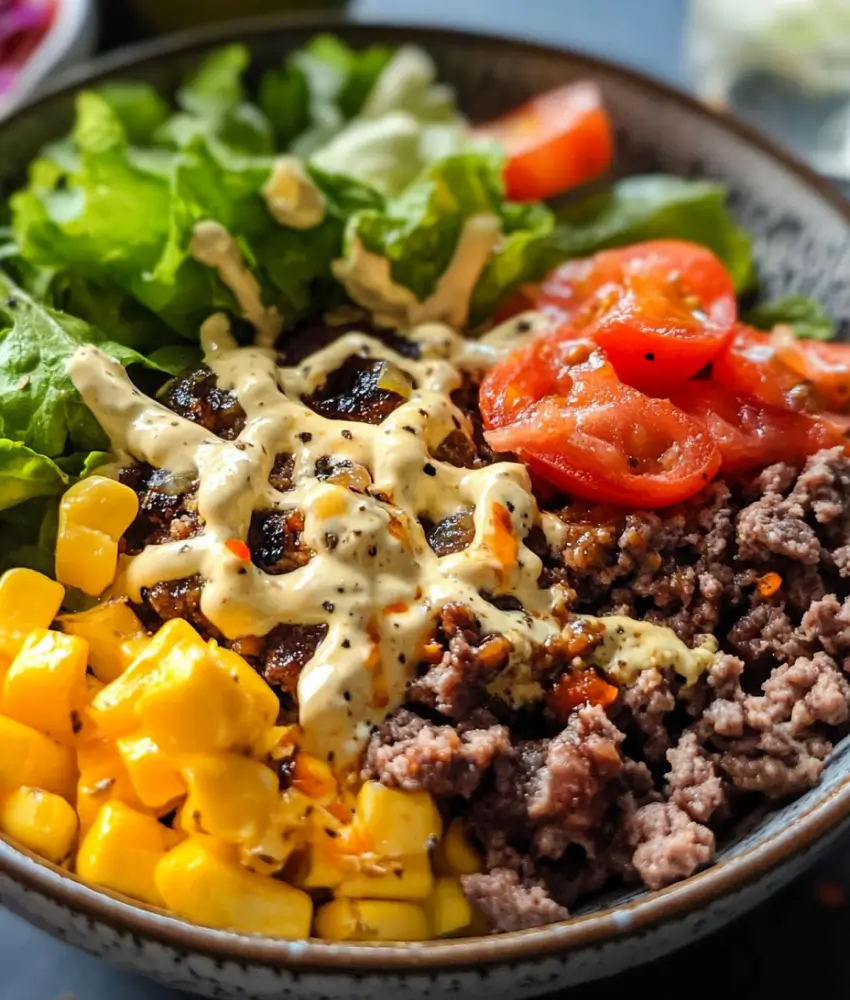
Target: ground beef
{"x":196,"y":396}
{"x":510,"y":904}
{"x":276,"y":543}
{"x":671,"y":845}
{"x":650,"y":700}
{"x":168,"y":508}
{"x":352,"y":392}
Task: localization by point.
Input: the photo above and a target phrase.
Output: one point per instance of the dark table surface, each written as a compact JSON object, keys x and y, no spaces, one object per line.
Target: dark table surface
{"x":793,"y":943}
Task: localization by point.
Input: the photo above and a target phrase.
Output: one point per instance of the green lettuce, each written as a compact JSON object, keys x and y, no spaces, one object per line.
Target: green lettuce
{"x":807,"y":318}
{"x":25,"y":475}
{"x":39,"y":405}
{"x":418,"y":231}
{"x":659,"y":206}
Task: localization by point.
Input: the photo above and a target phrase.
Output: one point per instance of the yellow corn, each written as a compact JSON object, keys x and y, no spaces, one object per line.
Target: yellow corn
{"x":447,"y":908}
{"x":259,"y":706}
{"x":455,"y":855}
{"x":101,"y":503}
{"x":85,"y":559}
{"x":45,"y":687}
{"x":110,"y":630}
{"x":155,"y":779}
{"x":41,"y":821}
{"x":28,"y":600}
{"x":28,"y":757}
{"x":114,"y":708}
{"x":230,"y":797}
{"x":93,"y":515}
{"x":398,"y":878}
{"x":121,"y":852}
{"x":103,"y":778}
{"x":371,"y":920}
{"x":197,"y":883}
{"x":316,"y":868}
{"x":398,"y":822}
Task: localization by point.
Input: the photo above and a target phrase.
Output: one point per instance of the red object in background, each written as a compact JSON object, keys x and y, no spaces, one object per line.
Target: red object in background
{"x":554,"y":142}
{"x":23,"y":24}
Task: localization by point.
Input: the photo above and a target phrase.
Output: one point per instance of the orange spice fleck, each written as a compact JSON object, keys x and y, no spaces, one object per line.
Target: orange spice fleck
{"x":398,"y":608}
{"x":583,"y":687}
{"x":501,"y":540}
{"x":238,"y":548}
{"x":769,"y":584}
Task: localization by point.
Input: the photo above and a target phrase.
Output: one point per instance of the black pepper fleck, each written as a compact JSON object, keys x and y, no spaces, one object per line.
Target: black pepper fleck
{"x":76,"y":722}
{"x":305,"y":436}
{"x":328,"y":606}
{"x":409,"y":429}
{"x":373,"y":550}
{"x":510,"y":506}
{"x":346,"y":644}
{"x":347,"y":434}
{"x":523,"y":326}
{"x":429,"y":469}
{"x":649,"y":356}
{"x":346,"y":695}
{"x":402,"y":658}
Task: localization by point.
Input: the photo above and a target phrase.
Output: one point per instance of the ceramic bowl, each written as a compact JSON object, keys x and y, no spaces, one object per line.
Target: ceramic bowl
{"x":801,"y":228}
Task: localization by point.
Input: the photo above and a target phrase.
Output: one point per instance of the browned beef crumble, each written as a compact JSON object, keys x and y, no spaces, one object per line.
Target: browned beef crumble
{"x":640,"y":792}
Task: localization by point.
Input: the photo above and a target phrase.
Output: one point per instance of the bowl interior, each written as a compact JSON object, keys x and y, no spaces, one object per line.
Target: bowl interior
{"x":801,"y":232}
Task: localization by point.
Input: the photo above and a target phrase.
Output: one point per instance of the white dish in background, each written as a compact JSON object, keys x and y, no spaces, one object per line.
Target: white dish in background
{"x":71,"y":37}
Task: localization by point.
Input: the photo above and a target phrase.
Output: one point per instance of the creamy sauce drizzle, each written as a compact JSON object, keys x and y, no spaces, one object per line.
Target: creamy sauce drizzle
{"x":213,"y":246}
{"x":291,"y":196}
{"x":373,"y":579}
{"x":368,"y":280}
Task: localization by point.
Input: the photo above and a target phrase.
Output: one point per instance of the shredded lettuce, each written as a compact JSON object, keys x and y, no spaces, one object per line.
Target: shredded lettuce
{"x":807,"y":318}
{"x":659,"y":206}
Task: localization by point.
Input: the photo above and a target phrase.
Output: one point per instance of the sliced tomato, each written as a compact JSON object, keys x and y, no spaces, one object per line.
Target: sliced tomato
{"x":749,"y":433}
{"x":558,"y":406}
{"x":801,"y":375}
{"x":554,"y":142}
{"x":661,"y":310}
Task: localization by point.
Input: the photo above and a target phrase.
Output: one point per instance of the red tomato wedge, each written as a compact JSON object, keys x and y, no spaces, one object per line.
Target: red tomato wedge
{"x":749,"y":433}
{"x":557,"y":404}
{"x":800,"y":375}
{"x":554,"y":142}
{"x":661,"y":310}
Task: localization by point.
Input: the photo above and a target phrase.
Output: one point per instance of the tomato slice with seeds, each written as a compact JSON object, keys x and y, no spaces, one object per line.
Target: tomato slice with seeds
{"x":557,"y":404}
{"x":750,"y":434}
{"x":661,"y":310}
{"x":802,"y":375}
{"x":554,"y":142}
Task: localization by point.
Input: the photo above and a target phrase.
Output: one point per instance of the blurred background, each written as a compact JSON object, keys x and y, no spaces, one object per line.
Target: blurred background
{"x":783,"y":64}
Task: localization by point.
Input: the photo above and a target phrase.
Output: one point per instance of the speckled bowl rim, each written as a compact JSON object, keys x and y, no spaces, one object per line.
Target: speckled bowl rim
{"x":649,"y":909}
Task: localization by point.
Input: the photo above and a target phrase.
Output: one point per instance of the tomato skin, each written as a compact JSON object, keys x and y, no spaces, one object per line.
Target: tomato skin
{"x":805,"y":376}
{"x":750,"y":434}
{"x":557,"y":404}
{"x":554,"y":142}
{"x":639,"y":303}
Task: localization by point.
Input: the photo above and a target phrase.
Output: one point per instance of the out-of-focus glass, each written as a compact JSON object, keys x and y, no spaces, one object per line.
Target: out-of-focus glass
{"x":174,"y":15}
{"x":782,"y":64}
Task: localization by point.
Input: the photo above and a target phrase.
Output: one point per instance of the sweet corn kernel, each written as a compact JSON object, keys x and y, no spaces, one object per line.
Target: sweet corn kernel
{"x":114,"y":708}
{"x":121,"y":852}
{"x":314,"y":778}
{"x":259,"y":704}
{"x":268,"y":854}
{"x":103,"y":778}
{"x":109,"y":630}
{"x":85,"y":558}
{"x":199,"y":885}
{"x":100,"y":503}
{"x":191,"y":705}
{"x":447,"y":908}
{"x":398,"y":822}
{"x":45,"y":687}
{"x":455,"y":854}
{"x":154,"y":777}
{"x":230,"y":797}
{"x":396,"y":878}
{"x":28,"y":757}
{"x":28,"y":600}
{"x":41,"y":821}
{"x":371,"y":920}
{"x":316,"y":868}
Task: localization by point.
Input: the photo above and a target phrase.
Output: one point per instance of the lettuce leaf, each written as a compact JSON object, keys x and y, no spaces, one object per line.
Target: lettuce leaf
{"x":659,"y":206}
{"x":418,"y":231}
{"x":28,"y":535}
{"x":807,"y":318}
{"x":39,"y":405}
{"x":213,"y":103}
{"x":26,"y":475}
